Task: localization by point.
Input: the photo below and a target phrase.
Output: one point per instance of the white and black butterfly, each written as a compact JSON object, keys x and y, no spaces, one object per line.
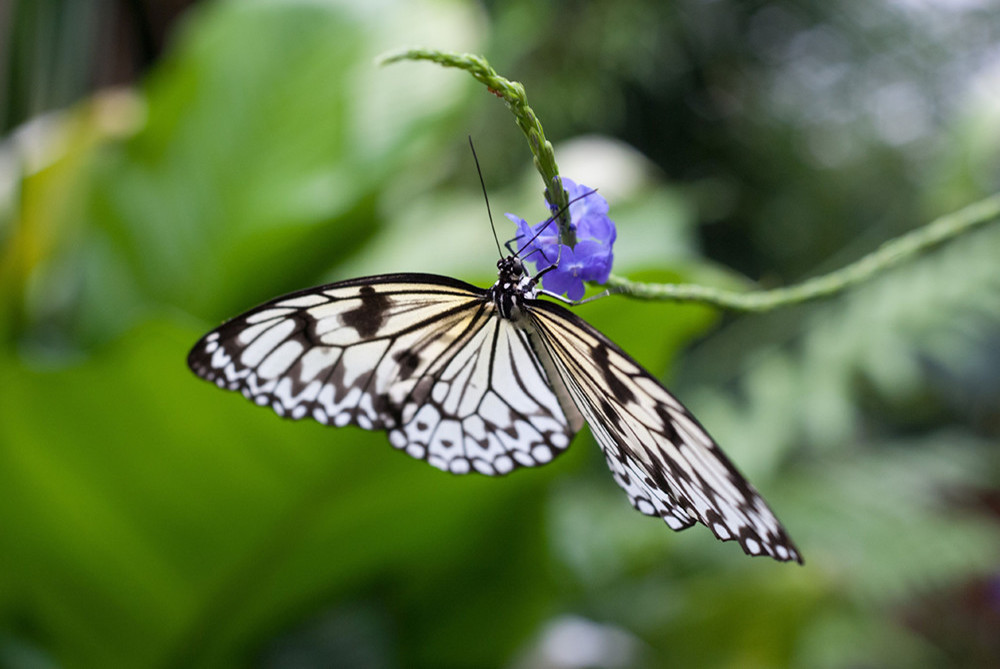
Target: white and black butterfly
{"x":486,"y":381}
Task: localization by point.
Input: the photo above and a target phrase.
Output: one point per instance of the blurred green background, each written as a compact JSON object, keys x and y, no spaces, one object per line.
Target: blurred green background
{"x":166,"y":165}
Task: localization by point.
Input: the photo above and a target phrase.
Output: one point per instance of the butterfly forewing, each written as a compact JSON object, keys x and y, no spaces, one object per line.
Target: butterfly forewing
{"x":659,"y":454}
{"x":423,"y":357}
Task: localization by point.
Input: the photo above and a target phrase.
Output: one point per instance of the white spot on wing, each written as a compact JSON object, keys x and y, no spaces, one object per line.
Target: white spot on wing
{"x":503,"y":464}
{"x":672,"y":522}
{"x":644,"y":506}
{"x":542,"y":454}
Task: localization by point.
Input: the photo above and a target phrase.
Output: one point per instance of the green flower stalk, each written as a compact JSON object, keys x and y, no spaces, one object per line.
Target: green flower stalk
{"x":890,"y":254}
{"x":511,"y":92}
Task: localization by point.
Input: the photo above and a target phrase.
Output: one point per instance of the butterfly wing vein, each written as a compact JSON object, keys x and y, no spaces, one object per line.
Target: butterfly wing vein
{"x":429,"y":360}
{"x":657,"y":451}
{"x":424,"y":358}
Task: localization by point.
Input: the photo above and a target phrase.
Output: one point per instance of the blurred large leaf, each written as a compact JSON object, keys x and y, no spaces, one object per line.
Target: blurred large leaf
{"x":266,"y":147}
{"x":883,"y":519}
{"x":900,"y":336}
{"x":149,"y":519}
{"x":140,"y":533}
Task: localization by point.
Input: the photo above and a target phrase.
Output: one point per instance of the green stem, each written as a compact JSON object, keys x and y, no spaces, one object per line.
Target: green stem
{"x":889,"y":255}
{"x":512,"y":92}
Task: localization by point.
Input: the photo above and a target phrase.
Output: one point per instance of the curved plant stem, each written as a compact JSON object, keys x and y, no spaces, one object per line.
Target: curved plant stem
{"x":511,"y":92}
{"x":890,"y":254}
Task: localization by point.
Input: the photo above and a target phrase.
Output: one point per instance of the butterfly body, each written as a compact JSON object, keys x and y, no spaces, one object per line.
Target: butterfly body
{"x":485,"y":381}
{"x":512,"y":288}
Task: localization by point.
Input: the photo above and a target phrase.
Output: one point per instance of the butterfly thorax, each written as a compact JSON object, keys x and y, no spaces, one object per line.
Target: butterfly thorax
{"x":513,"y":286}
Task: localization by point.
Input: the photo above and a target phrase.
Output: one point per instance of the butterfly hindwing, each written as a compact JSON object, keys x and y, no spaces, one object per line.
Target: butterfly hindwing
{"x":422,"y":357}
{"x":659,"y":454}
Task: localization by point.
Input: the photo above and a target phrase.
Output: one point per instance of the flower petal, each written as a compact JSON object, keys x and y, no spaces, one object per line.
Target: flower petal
{"x":592,"y":257}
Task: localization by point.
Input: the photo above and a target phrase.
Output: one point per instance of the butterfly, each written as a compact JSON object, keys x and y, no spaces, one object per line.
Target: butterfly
{"x":487,"y":381}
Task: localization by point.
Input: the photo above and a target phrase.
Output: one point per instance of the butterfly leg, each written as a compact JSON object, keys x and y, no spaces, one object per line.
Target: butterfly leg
{"x":575,"y":303}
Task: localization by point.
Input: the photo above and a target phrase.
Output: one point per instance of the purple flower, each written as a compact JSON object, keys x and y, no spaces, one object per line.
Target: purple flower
{"x":589,"y":260}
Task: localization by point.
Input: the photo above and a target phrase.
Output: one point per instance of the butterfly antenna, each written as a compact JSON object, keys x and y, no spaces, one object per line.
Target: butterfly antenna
{"x":486,"y":197}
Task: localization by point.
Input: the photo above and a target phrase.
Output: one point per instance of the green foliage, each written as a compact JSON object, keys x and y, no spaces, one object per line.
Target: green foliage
{"x":149,"y":520}
{"x":149,"y":532}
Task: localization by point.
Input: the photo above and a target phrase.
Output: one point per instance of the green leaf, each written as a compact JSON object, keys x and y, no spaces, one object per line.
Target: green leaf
{"x":264,"y":153}
{"x":152,"y":520}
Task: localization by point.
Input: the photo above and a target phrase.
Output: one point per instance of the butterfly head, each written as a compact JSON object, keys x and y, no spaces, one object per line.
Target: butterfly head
{"x":512,"y":275}
{"x":513,"y":285}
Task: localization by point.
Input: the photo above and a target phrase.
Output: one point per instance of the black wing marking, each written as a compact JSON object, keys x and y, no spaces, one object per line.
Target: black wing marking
{"x":659,"y":454}
{"x":424,"y":358}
